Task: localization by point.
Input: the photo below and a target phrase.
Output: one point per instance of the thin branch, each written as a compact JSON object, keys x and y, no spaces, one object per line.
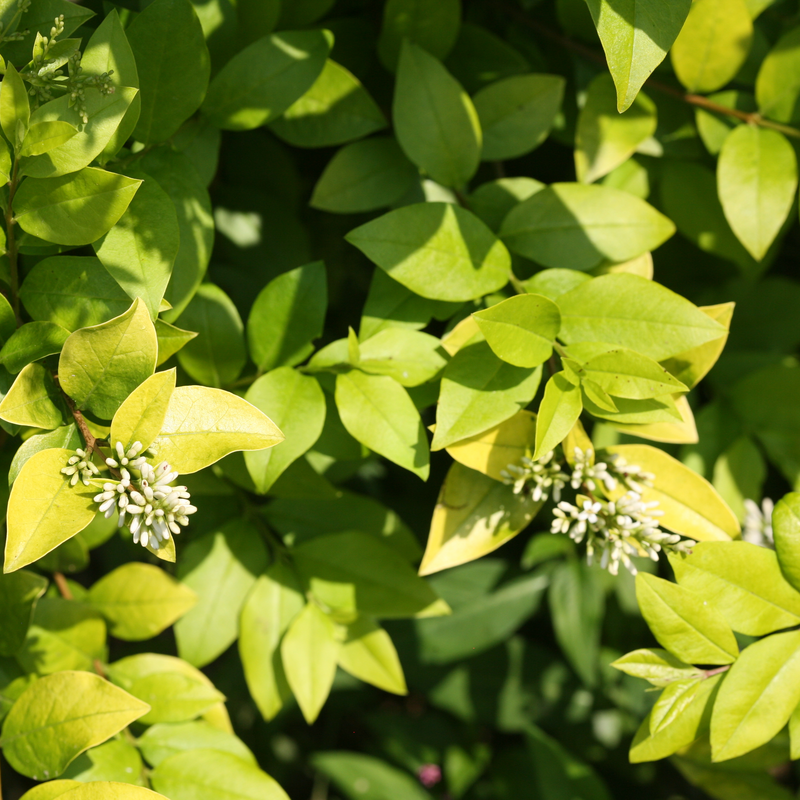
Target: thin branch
{"x":708,"y":673}
{"x":62,"y":585}
{"x":751,"y":118}
{"x":519,"y":286}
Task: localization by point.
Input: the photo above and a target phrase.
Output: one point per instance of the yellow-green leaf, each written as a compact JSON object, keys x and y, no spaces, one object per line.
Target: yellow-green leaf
{"x":691,"y":505}
{"x":368,"y":654}
{"x":202,"y":425}
{"x":43,"y":509}
{"x":59,"y":716}
{"x":474,"y":515}
{"x":141,"y":416}
{"x":33,"y":400}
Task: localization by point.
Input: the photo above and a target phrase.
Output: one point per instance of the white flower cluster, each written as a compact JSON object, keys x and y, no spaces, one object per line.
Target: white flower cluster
{"x":617,"y":530}
{"x":584,"y":473}
{"x":545,"y":474}
{"x":632,"y":475}
{"x":147,"y":502}
{"x":758,"y":523}
{"x":80,"y":467}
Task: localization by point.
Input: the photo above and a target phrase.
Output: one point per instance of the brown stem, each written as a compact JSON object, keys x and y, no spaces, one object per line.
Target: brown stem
{"x":499,"y":169}
{"x":80,"y":421}
{"x":12,"y":250}
{"x":63,"y":587}
{"x":708,"y":673}
{"x":752,"y":118}
{"x":462,"y":198}
{"x":98,"y":668}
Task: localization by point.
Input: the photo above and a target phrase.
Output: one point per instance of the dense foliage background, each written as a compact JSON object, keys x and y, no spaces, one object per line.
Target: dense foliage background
{"x":251,"y":184}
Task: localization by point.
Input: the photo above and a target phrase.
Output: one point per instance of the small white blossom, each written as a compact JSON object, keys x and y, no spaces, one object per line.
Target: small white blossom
{"x":617,"y":530}
{"x":632,"y":475}
{"x":147,"y":502}
{"x":586,"y":474}
{"x":544,"y":474}
{"x":758,"y":523}
{"x":80,"y":467}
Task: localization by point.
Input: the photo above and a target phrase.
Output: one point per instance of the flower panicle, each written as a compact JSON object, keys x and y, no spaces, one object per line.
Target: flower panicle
{"x":148,"y":503}
{"x":80,"y":467}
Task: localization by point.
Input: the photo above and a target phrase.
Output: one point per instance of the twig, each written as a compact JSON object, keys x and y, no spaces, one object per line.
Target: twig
{"x":708,"y":673}
{"x":98,"y":668}
{"x":63,"y":587}
{"x":752,"y":118}
{"x":519,"y":286}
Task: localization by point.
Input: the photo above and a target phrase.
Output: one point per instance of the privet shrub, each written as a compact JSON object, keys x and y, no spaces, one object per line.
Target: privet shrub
{"x":304,"y":302}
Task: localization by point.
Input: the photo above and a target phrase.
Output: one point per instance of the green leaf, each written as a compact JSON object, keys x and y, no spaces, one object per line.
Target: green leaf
{"x":140,"y":249}
{"x":635,"y":313}
{"x":336,"y":109}
{"x":63,"y":635}
{"x":778,"y":81}
{"x":350,"y":771}
{"x":288,"y":313}
{"x":19,"y":592}
{"x":43,"y":509}
{"x":757,"y":182}
{"x":492,"y":201}
{"x":211,"y":775}
{"x":112,"y":761}
{"x":680,"y":715}
{"x":342,"y":511}
{"x":368,"y":654}
{"x":132,"y":671}
{"x":434,"y":119}
{"x":8,"y":320}
{"x":478,"y":392}
{"x":578,"y":227}
{"x":60,"y":716}
{"x":163,"y":740}
{"x":757,"y":696}
{"x":389,"y":304}
{"x":170,"y":340}
{"x":33,"y":400}
{"x":221,"y":567}
{"x":259,"y":83}
{"x":173,"y":69}
{"x":744,"y":582}
{"x":576,"y":600}
{"x":105,"y":113}
{"x":657,"y":666}
{"x":31,"y":342}
{"x":44,"y":136}
{"x":432,"y":26}
{"x":691,"y":505}
{"x":177,"y":176}
{"x":482,"y":621}
{"x":217,"y":354}
{"x":5,"y":162}
{"x":636,"y":36}
{"x":684,"y":623}
{"x":474,"y":515}
{"x":786,"y":530}
{"x":73,"y":209}
{"x":438,"y":250}
{"x":605,"y":139}
{"x":15,"y":110}
{"x":101,"y":365}
{"x":174,"y":697}
{"x":712,"y":45}
{"x":139,"y":601}
{"x":108,"y":50}
{"x":141,"y":416}
{"x":559,"y":410}
{"x":364,"y":176}
{"x":187,"y":442}
{"x":626,"y":373}
{"x":310,"y":654}
{"x":517,"y":113}
{"x":276,"y":599}
{"x":410,"y":357}
{"x":354,"y":572}
{"x":296,"y":404}
{"x":521,"y":330}
{"x":73,"y":292}
{"x":377,"y":411}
